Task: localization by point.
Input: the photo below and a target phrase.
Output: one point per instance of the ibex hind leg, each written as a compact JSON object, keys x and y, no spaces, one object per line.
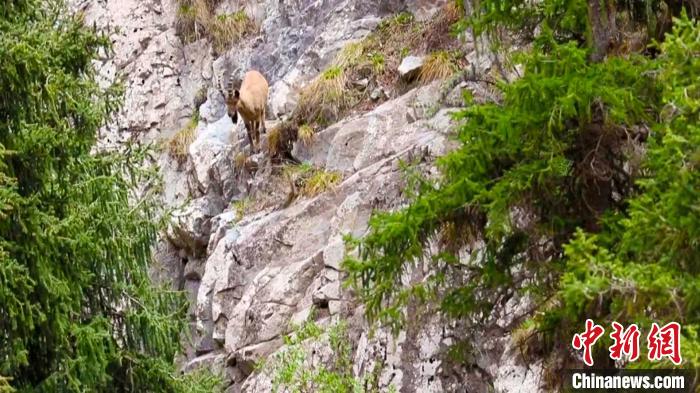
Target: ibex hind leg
{"x":256,"y":132}
{"x":249,"y":131}
{"x":262,"y":122}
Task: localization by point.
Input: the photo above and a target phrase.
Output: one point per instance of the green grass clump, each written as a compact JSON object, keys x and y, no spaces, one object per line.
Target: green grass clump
{"x":309,"y":180}
{"x":227,"y":29}
{"x":240,"y":207}
{"x":320,"y":181}
{"x":377,"y":60}
{"x":397,"y":22}
{"x":196,"y":19}
{"x":294,"y":172}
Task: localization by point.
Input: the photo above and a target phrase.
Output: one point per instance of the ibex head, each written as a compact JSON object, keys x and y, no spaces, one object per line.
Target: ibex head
{"x":232,"y":96}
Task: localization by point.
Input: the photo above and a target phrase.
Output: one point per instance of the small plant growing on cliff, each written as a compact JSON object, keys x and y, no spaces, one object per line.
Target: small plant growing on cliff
{"x":325,"y":97}
{"x":306,"y":134}
{"x":350,"y":55}
{"x":299,"y":367}
{"x":320,"y":181}
{"x":185,"y":21}
{"x":179,"y":145}
{"x":310,"y":181}
{"x":240,"y":207}
{"x":193,"y":19}
{"x":274,"y":137}
{"x":295,"y":171}
{"x":377,"y":60}
{"x":227,"y":29}
{"x":196,"y":19}
{"x":239,"y":160}
{"x":438,"y":65}
{"x":396,"y":22}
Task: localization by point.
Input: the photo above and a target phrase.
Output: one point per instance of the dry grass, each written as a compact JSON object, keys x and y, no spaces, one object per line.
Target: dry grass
{"x":196,"y":19}
{"x":437,"y":33}
{"x":240,"y":160}
{"x":311,"y":181}
{"x":375,"y":60}
{"x":274,"y":138}
{"x":325,"y":98}
{"x":227,"y":29}
{"x":280,"y":139}
{"x":320,"y":181}
{"x":186,"y":21}
{"x":351,"y":55}
{"x":178,"y":146}
{"x":306,"y":134}
{"x":438,"y":65}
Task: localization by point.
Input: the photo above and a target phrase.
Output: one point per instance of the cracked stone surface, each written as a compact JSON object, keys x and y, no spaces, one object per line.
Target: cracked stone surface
{"x":251,"y":274}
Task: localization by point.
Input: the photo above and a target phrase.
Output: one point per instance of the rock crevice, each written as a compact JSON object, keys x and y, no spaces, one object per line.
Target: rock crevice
{"x":252,"y":273}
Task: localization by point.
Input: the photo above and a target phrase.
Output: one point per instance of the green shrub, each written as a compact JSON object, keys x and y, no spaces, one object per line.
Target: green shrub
{"x":293,"y":369}
{"x":547,"y":198}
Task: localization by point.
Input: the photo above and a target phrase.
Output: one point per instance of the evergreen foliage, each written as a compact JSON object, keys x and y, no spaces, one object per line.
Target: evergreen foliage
{"x":301,"y":367}
{"x":579,"y":189}
{"x":78,"y":311}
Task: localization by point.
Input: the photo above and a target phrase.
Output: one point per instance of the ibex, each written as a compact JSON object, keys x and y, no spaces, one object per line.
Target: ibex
{"x":250,"y":100}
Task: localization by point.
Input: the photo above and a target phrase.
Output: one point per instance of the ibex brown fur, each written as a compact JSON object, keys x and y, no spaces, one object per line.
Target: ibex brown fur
{"x":250,"y":100}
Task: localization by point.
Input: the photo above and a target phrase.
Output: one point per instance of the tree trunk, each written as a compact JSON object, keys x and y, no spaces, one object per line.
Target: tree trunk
{"x":601,"y":16}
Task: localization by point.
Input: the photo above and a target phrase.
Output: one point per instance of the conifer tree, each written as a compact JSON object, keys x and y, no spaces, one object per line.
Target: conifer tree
{"x":77,"y":309}
{"x":579,"y":189}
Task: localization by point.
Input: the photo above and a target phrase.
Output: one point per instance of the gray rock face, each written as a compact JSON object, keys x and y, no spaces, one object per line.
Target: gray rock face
{"x":283,"y":99}
{"x":214,"y":108}
{"x":191,"y":225}
{"x":410,"y":66}
{"x":250,"y":274}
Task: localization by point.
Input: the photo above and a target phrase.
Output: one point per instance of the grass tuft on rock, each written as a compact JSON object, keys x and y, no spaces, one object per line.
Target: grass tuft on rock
{"x":179,"y":145}
{"x":320,"y":181}
{"x":273,"y":141}
{"x":196,"y":19}
{"x":351,"y":55}
{"x":309,"y":180}
{"x":306,"y":134}
{"x":438,"y":65}
{"x":239,"y":160}
{"x":227,"y":29}
{"x":326,"y":97}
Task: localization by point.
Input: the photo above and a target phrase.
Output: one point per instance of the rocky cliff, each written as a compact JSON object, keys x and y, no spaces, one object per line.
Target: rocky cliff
{"x":256,"y":257}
